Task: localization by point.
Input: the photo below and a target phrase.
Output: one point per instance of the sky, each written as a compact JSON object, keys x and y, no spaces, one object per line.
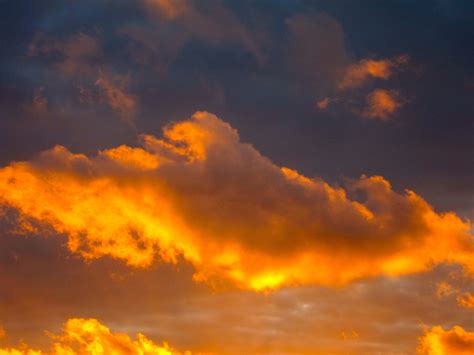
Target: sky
{"x":236,"y":177}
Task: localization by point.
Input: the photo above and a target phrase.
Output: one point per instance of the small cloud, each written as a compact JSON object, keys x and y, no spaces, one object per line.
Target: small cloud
{"x":113,"y":92}
{"x":3,"y":333}
{"x":357,"y":74}
{"x":444,"y":289}
{"x":381,"y":104}
{"x":465,"y":300}
{"x":323,"y":104}
{"x":349,"y":335}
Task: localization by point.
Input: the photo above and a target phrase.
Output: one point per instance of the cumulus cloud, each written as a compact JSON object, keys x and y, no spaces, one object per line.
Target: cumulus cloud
{"x":438,"y":341}
{"x":357,"y":74}
{"x":201,"y":194}
{"x":90,"y":337}
{"x":382,"y":104}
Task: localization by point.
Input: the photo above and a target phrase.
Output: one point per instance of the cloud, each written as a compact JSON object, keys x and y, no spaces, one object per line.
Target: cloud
{"x":209,"y":21}
{"x":357,"y":74}
{"x":76,"y":55}
{"x":114,"y":94}
{"x":317,"y":52}
{"x":465,"y":300}
{"x":202,"y":195}
{"x":444,"y":289}
{"x":89,"y":336}
{"x":80,"y":58}
{"x":3,"y":333}
{"x":323,"y":104}
{"x":382,"y":104}
{"x":438,"y":341}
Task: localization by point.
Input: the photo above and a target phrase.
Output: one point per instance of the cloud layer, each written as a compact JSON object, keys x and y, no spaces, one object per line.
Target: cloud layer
{"x":201,"y":194}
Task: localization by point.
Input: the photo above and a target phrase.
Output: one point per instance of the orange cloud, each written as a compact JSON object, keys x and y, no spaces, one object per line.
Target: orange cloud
{"x":466,"y":300}
{"x":357,"y":74}
{"x":438,"y":341}
{"x":169,"y":9}
{"x":114,"y":94}
{"x":381,"y":104}
{"x":202,"y":195}
{"x":2,"y":332}
{"x":90,"y":337}
{"x":323,"y":104}
{"x":444,"y":289}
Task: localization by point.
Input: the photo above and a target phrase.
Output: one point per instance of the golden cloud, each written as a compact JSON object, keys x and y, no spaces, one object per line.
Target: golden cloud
{"x":90,"y":337}
{"x":381,"y":104}
{"x":356,"y":74}
{"x":438,"y":341}
{"x":444,"y":289}
{"x":465,"y":300}
{"x":202,"y":195}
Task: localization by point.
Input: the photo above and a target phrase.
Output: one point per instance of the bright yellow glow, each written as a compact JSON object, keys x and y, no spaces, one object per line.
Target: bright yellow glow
{"x":438,"y":341}
{"x":201,"y":194}
{"x":90,"y":337}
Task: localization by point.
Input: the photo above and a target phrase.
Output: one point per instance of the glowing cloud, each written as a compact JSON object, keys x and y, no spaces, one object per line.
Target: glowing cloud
{"x":323,"y":104}
{"x":356,"y":74}
{"x":438,"y":341}
{"x":201,"y":194}
{"x":444,"y":289}
{"x":465,"y":300}
{"x":381,"y":104}
{"x":90,"y":337}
